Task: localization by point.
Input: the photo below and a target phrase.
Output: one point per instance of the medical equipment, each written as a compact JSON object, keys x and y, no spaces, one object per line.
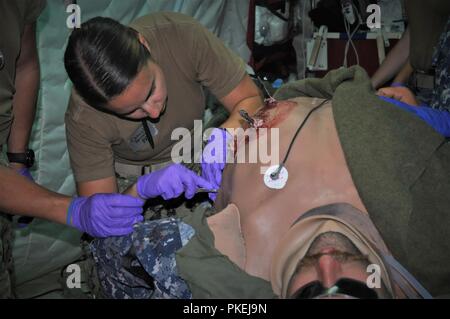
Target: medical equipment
{"x":265,"y":89}
{"x":281,"y":170}
{"x":206,"y":190}
{"x":279,"y":182}
{"x":250,"y":121}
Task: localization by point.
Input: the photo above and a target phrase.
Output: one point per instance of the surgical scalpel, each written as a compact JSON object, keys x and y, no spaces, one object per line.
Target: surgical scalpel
{"x":247,"y":118}
{"x":206,"y":190}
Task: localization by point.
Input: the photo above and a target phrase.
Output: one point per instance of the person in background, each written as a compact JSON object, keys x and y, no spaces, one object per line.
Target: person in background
{"x":424,"y":46}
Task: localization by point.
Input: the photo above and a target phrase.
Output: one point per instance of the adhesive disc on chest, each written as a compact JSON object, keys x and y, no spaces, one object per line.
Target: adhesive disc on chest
{"x":278,"y":183}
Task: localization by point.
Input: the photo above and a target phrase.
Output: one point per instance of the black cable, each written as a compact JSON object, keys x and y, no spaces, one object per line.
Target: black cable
{"x":276,"y":174}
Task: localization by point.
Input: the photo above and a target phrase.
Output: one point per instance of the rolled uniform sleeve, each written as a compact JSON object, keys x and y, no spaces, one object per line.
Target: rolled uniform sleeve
{"x":91,"y":155}
{"x":218,"y":68}
{"x":14,"y":16}
{"x":34,"y":9}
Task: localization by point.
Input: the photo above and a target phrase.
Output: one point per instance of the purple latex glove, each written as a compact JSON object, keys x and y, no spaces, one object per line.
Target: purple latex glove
{"x":25,"y":173}
{"x":214,"y":157}
{"x":397,"y":84}
{"x":170,"y":182}
{"x":104,"y":215}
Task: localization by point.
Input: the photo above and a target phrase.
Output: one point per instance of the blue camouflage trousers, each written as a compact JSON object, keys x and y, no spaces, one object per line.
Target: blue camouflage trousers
{"x":142,"y":265}
{"x":441,"y":61}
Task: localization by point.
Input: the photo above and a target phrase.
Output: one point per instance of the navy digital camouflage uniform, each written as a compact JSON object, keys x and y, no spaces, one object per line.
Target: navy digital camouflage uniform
{"x":142,"y":265}
{"x":441,"y":61}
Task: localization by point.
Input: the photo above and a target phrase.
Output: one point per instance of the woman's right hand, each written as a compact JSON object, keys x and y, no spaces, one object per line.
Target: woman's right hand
{"x":171,"y":182}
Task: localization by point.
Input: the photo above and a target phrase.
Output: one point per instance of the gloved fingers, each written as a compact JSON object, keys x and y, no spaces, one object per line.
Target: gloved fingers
{"x":218,"y":177}
{"x":97,"y":229}
{"x":179,"y":183}
{"x":189,"y":186}
{"x":208,"y":172}
{"x":138,"y":219}
{"x":122,"y":206}
{"x":212,"y":196}
{"x":178,"y":188}
{"x":201,"y":182}
{"x":192,"y":181}
{"x":126,"y":222}
{"x":140,"y":187}
{"x":96,"y":216}
{"x":210,"y":178}
{"x":120,"y":214}
{"x":222,"y":165}
{"x":205,"y":171}
{"x":168,"y":195}
{"x":119,"y":200}
{"x":171,"y":192}
{"x":132,"y":221}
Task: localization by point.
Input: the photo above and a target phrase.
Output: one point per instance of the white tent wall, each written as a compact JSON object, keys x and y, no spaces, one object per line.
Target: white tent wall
{"x":43,"y":248}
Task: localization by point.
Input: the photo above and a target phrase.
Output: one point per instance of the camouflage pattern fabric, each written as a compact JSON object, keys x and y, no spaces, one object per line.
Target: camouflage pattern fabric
{"x":104,"y":257}
{"x":142,"y":265}
{"x":123,"y":183}
{"x":423,"y":95}
{"x":92,"y":281}
{"x":441,"y":61}
{"x":89,"y":285}
{"x":155,"y":209}
{"x":6,"y":261}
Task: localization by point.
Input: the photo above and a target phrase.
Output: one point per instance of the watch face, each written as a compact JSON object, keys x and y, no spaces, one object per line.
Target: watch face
{"x":30,"y":158}
{"x":26,"y":158}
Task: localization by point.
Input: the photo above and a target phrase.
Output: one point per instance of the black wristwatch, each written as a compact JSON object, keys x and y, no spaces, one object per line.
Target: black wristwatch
{"x":26,"y":158}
